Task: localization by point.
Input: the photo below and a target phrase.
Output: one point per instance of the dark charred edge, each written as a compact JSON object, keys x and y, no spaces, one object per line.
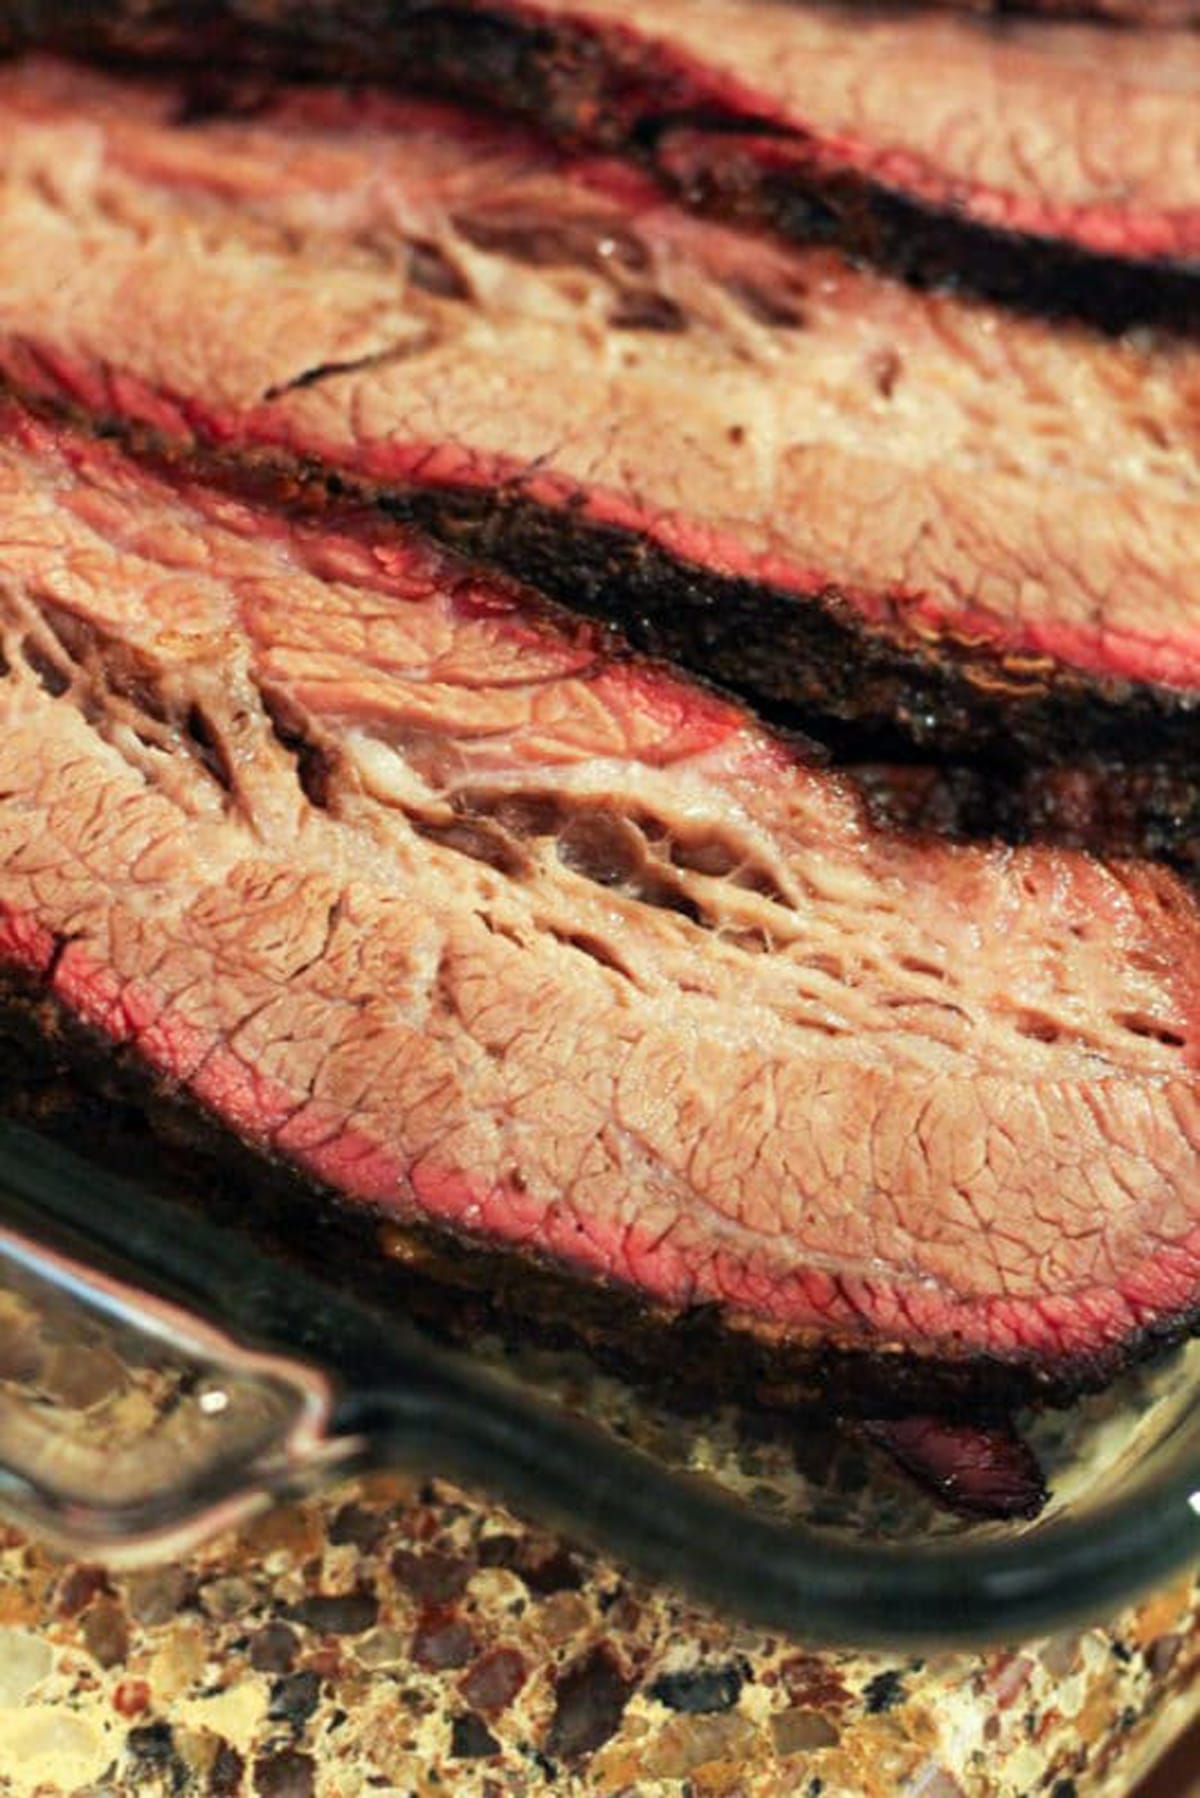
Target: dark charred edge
{"x":566,"y":82}
{"x":1124,"y":13}
{"x":59,"y":1075}
{"x":939,"y":247}
{"x":1101,"y":808}
{"x":591,"y":88}
{"x":807,"y":661}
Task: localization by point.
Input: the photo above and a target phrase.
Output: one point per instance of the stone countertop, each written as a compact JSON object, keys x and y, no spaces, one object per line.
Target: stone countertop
{"x":394,"y":1638}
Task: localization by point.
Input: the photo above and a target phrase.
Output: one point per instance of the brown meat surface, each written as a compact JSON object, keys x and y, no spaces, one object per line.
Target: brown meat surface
{"x":858,"y":498}
{"x":479,"y":920}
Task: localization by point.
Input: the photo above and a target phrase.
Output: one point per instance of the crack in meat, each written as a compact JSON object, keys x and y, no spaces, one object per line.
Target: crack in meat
{"x":419,"y":343}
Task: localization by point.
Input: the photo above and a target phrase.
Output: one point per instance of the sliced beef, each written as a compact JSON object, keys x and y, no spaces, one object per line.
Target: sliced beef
{"x":802,"y":481}
{"x":1051,"y":165}
{"x":453,"y":905}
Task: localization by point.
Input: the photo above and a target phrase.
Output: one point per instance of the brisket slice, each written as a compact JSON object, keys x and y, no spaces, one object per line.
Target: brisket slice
{"x":800,"y":480}
{"x":1051,"y":165}
{"x":474,"y":919}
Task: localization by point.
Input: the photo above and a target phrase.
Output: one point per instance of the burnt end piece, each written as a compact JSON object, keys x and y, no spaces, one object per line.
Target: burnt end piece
{"x":622,"y":92}
{"x":977,"y":1470}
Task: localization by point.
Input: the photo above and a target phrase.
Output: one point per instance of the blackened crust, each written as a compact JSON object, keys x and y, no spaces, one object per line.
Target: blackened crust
{"x":612,"y":92}
{"x":1100,"y":807}
{"x":61,"y":1077}
{"x":935,"y":247}
{"x":811,"y":659}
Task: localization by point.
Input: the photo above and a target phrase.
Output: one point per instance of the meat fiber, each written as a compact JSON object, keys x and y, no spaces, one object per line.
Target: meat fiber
{"x":803,"y":481}
{"x":451,"y":904}
{"x":1051,"y":165}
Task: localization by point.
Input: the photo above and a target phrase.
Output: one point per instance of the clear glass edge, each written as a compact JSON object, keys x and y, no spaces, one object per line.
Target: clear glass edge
{"x":1063,"y":1572}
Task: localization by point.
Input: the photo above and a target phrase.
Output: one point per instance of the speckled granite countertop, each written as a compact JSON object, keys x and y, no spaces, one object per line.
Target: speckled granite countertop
{"x":396,"y":1639}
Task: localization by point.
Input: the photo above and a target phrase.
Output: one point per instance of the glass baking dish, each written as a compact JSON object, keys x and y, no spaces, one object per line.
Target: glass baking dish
{"x":162,"y":1377}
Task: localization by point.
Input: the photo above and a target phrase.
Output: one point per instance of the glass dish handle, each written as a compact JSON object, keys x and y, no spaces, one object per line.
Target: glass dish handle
{"x":130,"y":1429}
{"x":160,"y":1378}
